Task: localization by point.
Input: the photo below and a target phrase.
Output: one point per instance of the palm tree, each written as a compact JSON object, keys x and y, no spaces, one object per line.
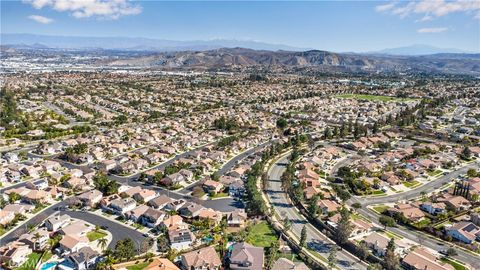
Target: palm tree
{"x":102,"y":243}
{"x":35,"y":238}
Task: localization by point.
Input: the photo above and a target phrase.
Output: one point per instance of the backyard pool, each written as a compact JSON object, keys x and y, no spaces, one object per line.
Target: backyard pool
{"x":49,"y":266}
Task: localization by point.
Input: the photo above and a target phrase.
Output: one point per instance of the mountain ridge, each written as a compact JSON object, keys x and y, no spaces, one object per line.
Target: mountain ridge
{"x":242,"y":57}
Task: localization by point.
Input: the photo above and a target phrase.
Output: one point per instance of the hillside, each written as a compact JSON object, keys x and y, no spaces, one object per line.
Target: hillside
{"x":240,"y":57}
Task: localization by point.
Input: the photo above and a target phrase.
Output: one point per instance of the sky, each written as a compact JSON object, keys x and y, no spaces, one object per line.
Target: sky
{"x":340,"y":26}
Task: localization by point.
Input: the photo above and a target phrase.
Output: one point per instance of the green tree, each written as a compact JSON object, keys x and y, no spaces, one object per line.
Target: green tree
{"x":357,"y":205}
{"x":472,"y":173}
{"x":391,"y":260}
{"x":386,"y":221}
{"x":466,"y":153}
{"x":303,"y":236}
{"x":162,"y":243}
{"x":282,"y":123}
{"x":344,"y":226}
{"x":102,"y":243}
{"x":36,"y":237}
{"x":451,"y":252}
{"x":362,"y":250}
{"x":313,"y":207}
{"x":125,"y":249}
{"x":272,"y":254}
{"x":105,"y":185}
{"x":332,"y":258}
{"x":13,"y":197}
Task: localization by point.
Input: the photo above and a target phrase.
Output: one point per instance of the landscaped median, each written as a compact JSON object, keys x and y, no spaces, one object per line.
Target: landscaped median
{"x":312,"y":257}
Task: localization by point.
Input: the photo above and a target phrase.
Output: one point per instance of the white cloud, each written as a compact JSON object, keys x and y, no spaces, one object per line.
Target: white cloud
{"x":109,"y":9}
{"x":425,"y":18}
{"x":40,"y":19}
{"x":432,"y":30}
{"x":385,"y":7}
{"x":432,"y":8}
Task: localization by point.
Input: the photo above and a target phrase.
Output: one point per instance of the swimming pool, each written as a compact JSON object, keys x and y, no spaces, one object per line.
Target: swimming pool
{"x":49,"y":265}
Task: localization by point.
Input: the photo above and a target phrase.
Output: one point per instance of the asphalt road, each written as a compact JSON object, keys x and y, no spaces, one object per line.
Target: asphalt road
{"x":416,"y":236}
{"x":416,"y":192}
{"x":230,"y":164}
{"x":315,"y":239}
{"x":118,"y":231}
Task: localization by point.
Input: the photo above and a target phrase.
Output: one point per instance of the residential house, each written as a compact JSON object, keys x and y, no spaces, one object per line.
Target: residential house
{"x":33,"y":242}
{"x":210,"y":215}
{"x":411,"y":212}
{"x":152,"y":217}
{"x":175,"y":205}
{"x":173,"y":223}
{"x":237,"y":218}
{"x":82,"y":259}
{"x":465,"y":232}
{"x":211,"y":186}
{"x":190,"y":210}
{"x":201,"y":259}
{"x":57,"y":222}
{"x":378,"y":243}
{"x":71,"y":243}
{"x":433,"y":208}
{"x":286,"y":264}
{"x":326,"y":206}
{"x":135,"y":214}
{"x":421,"y":259}
{"x":16,"y":253}
{"x":91,"y":198}
{"x":121,"y":206}
{"x":6,"y":217}
{"x":245,"y":256}
{"x":181,"y":239}
{"x":39,"y":184}
{"x":173,"y":179}
{"x":160,"y":201}
{"x":161,"y":264}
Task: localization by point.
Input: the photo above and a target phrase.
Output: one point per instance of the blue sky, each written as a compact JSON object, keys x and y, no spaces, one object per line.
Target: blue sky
{"x":329,"y":25}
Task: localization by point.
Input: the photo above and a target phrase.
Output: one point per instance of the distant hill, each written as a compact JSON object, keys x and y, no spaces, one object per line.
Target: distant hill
{"x":241,"y":57}
{"x":417,"y":49}
{"x":133,"y":44}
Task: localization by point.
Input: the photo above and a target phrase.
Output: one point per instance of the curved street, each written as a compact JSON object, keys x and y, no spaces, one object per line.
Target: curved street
{"x":118,"y":231}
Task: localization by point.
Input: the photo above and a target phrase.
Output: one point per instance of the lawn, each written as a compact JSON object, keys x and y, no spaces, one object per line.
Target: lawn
{"x":31,"y":262}
{"x":261,"y":235}
{"x":380,"y":209}
{"x":374,"y":97}
{"x":410,"y":184}
{"x":422,"y":223}
{"x":95,"y":235}
{"x":219,"y":195}
{"x":138,"y":266}
{"x":434,"y":173}
{"x":378,"y":192}
{"x":455,"y":265}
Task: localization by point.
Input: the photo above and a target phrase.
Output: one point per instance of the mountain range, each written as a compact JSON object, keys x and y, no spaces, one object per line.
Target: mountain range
{"x":234,"y":54}
{"x":230,"y":58}
{"x":133,"y":44}
{"x":163,"y":45}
